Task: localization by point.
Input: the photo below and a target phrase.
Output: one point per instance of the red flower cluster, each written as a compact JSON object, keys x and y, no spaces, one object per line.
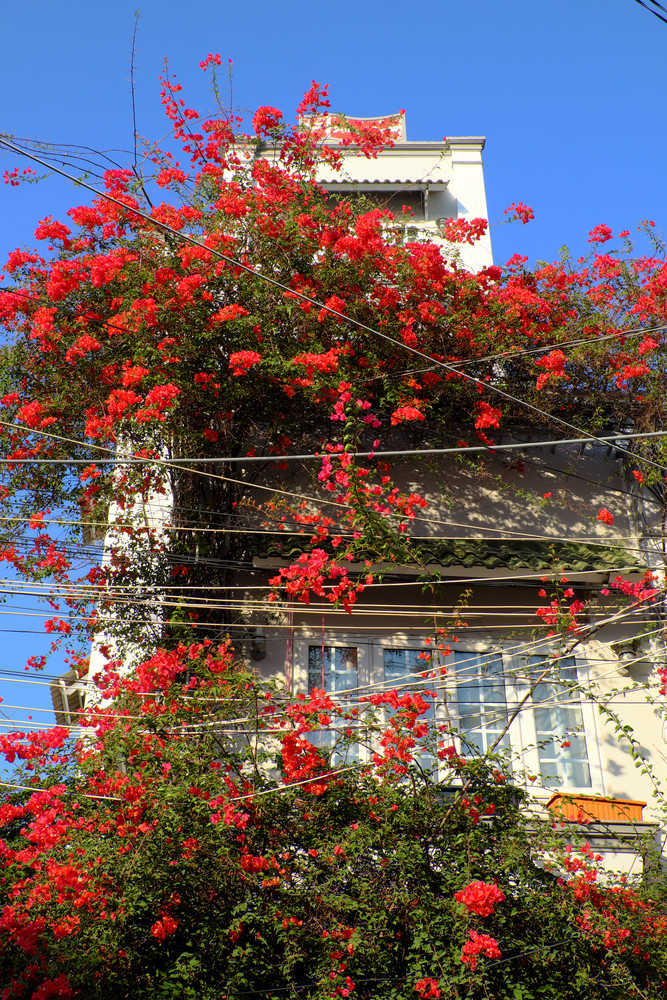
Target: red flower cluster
{"x":554,"y":364}
{"x":480,"y":898}
{"x":468,"y":231}
{"x":427,"y":988}
{"x":241,"y":361}
{"x":488,"y":416}
{"x":161,"y":929}
{"x":265,"y":119}
{"x":521,"y":212}
{"x":405,"y":413}
{"x":479,"y":944}
{"x":600,"y":234}
{"x":14,"y":178}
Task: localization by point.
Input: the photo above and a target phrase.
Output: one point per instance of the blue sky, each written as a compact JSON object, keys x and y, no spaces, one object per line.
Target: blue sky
{"x":570,"y":97}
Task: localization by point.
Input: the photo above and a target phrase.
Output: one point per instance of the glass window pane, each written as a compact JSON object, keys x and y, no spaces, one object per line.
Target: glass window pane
{"x":559,"y":725}
{"x":402,"y":669}
{"x":334,"y":669}
{"x":480,"y":691}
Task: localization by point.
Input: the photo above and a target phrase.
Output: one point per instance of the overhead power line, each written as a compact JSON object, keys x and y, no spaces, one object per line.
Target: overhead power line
{"x":487,"y":386}
{"x":654,"y":9}
{"x":274,"y":490}
{"x":624,"y":334}
{"x":608,"y":439}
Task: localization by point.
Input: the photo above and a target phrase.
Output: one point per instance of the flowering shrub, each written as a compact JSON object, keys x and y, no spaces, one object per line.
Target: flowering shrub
{"x":212,"y":832}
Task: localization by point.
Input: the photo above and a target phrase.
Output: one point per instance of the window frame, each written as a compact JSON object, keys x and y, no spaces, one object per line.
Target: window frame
{"x":522,"y":731}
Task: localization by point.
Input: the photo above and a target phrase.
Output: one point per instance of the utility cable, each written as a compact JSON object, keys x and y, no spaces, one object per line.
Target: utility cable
{"x":630,"y":333}
{"x":608,"y":439}
{"x":314,"y":302}
{"x":652,"y":9}
{"x":502,"y":534}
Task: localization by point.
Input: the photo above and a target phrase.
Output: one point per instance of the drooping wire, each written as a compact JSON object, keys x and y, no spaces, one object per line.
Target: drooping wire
{"x":487,"y":386}
{"x":652,"y":10}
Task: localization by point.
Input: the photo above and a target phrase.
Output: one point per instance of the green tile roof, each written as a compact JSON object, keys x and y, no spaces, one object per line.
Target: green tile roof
{"x":479,"y":553}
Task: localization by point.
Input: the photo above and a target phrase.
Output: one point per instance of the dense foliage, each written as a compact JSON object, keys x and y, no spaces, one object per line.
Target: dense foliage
{"x":196,"y":842}
{"x":201,"y":852}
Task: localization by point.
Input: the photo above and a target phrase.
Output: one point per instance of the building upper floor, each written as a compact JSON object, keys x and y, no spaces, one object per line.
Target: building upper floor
{"x":425,"y":184}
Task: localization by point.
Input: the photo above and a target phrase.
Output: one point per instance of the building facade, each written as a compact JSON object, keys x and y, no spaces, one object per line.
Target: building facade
{"x":506,"y":533}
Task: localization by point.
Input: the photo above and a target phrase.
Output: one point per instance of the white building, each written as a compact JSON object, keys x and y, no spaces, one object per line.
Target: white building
{"x":501,"y":530}
{"x":424,"y":184}
{"x":491,"y":532}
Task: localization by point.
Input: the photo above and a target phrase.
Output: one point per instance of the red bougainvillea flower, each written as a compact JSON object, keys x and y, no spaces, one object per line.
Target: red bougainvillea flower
{"x":553,"y":363}
{"x":480,"y":898}
{"x":521,"y":212}
{"x":479,"y":944}
{"x":605,"y":516}
{"x":464,"y":230}
{"x":428,"y":987}
{"x":488,"y":416}
{"x":600,"y":234}
{"x":161,"y":929}
{"x":241,"y":361}
{"x":406,"y":413}
{"x":265,"y":119}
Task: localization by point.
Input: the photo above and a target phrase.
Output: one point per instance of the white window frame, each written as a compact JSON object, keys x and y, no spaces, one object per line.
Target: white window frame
{"x":522,"y":730}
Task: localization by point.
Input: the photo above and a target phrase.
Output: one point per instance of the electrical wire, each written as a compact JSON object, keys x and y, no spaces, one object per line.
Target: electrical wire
{"x":652,"y":10}
{"x":624,"y":334}
{"x":608,"y":439}
{"x":530,"y":578}
{"x":442,"y":365}
{"x":161,"y":227}
{"x":529,"y":351}
{"x":500,"y":534}
{"x":109,"y":620}
{"x":418,"y":677}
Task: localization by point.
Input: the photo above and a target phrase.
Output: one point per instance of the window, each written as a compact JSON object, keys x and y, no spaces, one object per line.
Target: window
{"x":400,"y":667}
{"x":551,"y":736}
{"x":559,"y":727}
{"x":333,"y":669}
{"x":341,"y":669}
{"x":482,"y":701}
